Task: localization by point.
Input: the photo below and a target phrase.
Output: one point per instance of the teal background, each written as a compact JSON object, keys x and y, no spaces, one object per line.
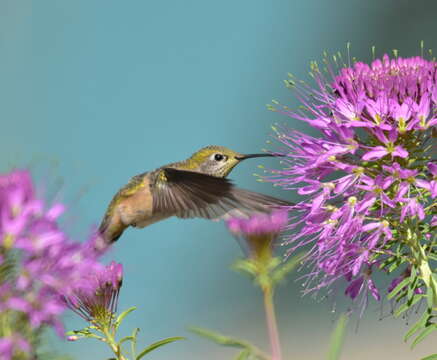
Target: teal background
{"x":94,"y":92}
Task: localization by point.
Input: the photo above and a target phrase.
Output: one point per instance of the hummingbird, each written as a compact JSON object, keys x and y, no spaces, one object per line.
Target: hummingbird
{"x":195,"y":187}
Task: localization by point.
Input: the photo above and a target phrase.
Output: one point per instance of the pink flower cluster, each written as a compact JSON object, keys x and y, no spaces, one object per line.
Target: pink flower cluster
{"x":46,"y":261}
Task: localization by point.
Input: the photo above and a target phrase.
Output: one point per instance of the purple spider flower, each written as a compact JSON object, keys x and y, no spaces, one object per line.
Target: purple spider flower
{"x":258,"y":232}
{"x":367,"y":175}
{"x":95,"y":297}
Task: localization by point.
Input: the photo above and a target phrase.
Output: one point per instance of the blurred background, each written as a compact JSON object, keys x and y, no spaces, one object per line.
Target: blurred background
{"x":94,"y":92}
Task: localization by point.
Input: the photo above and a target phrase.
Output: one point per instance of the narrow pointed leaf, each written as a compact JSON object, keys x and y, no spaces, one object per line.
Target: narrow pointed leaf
{"x":133,"y":344}
{"x":432,"y":257}
{"x":430,"y":297}
{"x":253,"y":351}
{"x":412,"y":285}
{"x":337,"y":338}
{"x":244,"y":355}
{"x":428,"y":330}
{"x":408,"y":304}
{"x":156,"y":345}
{"x":220,"y":338}
{"x":121,"y":317}
{"x":430,"y":357}
{"x":398,"y":288}
{"x":281,"y":272}
{"x":244,"y":266}
{"x":126,"y":338}
{"x":419,"y":324}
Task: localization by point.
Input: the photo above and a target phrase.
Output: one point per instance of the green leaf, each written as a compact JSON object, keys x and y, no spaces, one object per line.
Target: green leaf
{"x":244,"y":355}
{"x":121,"y":317}
{"x":281,"y":272}
{"x":157,"y":345}
{"x":133,"y":344}
{"x":419,"y":324}
{"x":394,"y":265}
{"x":428,"y":330}
{"x":126,"y":338}
{"x":387,"y":262}
{"x":220,"y":338}
{"x":414,"y":278}
{"x":398,"y":288}
{"x":430,"y":297}
{"x":337,"y":338}
{"x":224,"y":340}
{"x":408,"y":304}
{"x":245,"y":266}
{"x":82,"y":332}
{"x":433,"y":257}
{"x":430,"y":357}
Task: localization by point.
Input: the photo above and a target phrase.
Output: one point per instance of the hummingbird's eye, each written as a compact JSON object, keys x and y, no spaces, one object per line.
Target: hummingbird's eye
{"x":218,"y":157}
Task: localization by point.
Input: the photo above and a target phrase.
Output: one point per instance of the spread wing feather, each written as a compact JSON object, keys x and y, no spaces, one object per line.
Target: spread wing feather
{"x":189,"y":194}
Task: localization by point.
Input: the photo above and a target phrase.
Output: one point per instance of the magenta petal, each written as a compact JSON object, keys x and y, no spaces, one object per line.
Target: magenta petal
{"x":19,"y":304}
{"x":433,"y":189}
{"x":354,"y":287}
{"x":432,"y":167}
{"x":403,"y":188}
{"x":404,"y":211}
{"x":386,"y":200}
{"x":420,"y":212}
{"x":6,"y":348}
{"x":400,"y":151}
{"x":373,"y":289}
{"x":423,"y":184}
{"x":359,"y":262}
{"x":308,"y":189}
{"x":377,"y":153}
{"x":371,"y":226}
{"x":393,"y":135}
{"x":367,"y":202}
{"x":55,"y":211}
{"x":432,"y":122}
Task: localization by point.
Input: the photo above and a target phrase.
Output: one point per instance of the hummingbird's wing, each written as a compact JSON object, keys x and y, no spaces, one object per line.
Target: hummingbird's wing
{"x":188,"y":194}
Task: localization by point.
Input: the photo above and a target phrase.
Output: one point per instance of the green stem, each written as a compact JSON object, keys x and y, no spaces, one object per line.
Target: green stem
{"x":271,"y":322}
{"x":112,"y":343}
{"x":427,"y":276}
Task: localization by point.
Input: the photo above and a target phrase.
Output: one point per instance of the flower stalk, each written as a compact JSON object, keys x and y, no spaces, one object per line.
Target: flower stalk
{"x":257,"y":237}
{"x":110,"y":340}
{"x":272,"y":326}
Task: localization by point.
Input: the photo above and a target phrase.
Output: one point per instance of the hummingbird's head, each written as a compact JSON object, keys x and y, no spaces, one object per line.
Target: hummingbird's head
{"x":217,"y":160}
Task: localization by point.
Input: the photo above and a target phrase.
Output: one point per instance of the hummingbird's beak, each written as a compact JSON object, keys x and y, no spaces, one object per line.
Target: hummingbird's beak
{"x":249,"y":156}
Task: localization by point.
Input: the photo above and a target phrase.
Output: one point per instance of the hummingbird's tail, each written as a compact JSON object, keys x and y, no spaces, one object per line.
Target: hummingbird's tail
{"x":110,"y":230}
{"x":110,"y":236}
